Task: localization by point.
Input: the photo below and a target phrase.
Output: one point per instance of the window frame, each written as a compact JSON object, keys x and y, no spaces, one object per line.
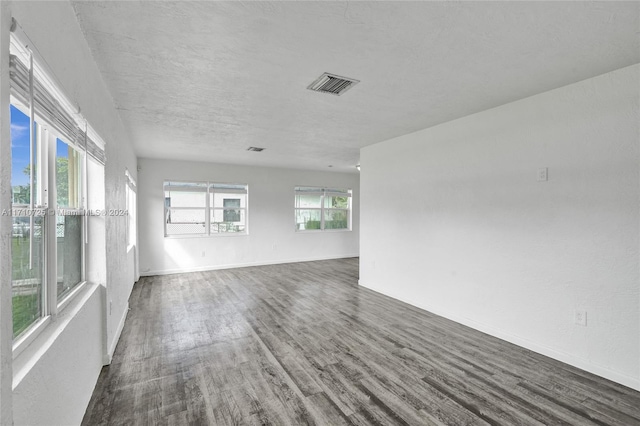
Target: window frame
{"x":323,"y":192}
{"x":209,"y":207}
{"x":33,"y":88}
{"x":79,"y":210}
{"x":46,"y":200}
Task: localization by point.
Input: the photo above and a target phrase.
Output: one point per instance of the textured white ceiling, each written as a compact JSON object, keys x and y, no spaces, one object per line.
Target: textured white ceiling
{"x":206,"y":80}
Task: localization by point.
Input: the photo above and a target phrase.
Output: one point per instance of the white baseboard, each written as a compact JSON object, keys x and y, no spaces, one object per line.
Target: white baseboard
{"x":114,"y":342}
{"x":561,"y":356}
{"x":240,"y":265}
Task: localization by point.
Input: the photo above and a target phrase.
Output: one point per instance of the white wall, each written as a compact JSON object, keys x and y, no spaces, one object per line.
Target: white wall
{"x":53,"y":385}
{"x":6,"y":325}
{"x":271,"y":238}
{"x":54,"y":379}
{"x":471,"y":235}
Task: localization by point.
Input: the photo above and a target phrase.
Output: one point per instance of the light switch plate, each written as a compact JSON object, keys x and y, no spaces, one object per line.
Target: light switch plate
{"x":581,"y":318}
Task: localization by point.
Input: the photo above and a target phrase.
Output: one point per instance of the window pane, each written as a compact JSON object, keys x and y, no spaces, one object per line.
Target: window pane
{"x":185,"y":194}
{"x":307,"y":219}
{"x":224,"y":220}
{"x":67,"y":175}
{"x":26,"y":281}
{"x":69,"y":251}
{"x":185,"y":221}
{"x":26,"y":274}
{"x":336,"y":219}
{"x":185,"y":199}
{"x":20,"y":158}
{"x":336,"y":202}
{"x":308,"y":201}
{"x":232,"y":209}
{"x":218,"y":200}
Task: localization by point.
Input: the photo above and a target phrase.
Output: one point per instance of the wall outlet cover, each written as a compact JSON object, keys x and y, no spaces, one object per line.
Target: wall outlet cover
{"x":543,"y":174}
{"x":580,"y":318}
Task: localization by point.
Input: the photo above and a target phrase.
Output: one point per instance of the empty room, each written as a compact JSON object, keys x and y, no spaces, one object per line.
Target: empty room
{"x":319,"y":212}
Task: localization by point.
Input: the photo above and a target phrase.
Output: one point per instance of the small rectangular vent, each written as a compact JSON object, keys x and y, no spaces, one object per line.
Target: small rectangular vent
{"x":333,"y":84}
{"x":253,"y":148}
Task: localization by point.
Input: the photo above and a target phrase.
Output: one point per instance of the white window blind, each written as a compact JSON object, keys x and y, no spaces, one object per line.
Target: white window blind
{"x":49,"y":102}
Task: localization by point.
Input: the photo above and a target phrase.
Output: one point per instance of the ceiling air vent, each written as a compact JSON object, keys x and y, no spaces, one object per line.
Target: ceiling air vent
{"x":253,"y":148}
{"x":333,"y":84}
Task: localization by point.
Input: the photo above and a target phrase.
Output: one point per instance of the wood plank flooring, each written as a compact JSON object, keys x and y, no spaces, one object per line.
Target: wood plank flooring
{"x":303,"y":344}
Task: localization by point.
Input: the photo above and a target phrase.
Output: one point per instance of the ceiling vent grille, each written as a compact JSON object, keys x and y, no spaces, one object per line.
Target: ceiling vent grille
{"x":255,"y":149}
{"x":333,"y":84}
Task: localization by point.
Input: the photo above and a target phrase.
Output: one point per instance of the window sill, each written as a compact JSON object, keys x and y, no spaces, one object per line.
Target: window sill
{"x":32,"y":332}
{"x":34,"y":344}
{"x":69,"y":297}
{"x":30,"y":335}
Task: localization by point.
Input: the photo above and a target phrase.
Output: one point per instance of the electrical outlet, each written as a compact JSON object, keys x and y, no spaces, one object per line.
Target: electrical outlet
{"x":110,"y":306}
{"x":543,"y":174}
{"x":204,"y":253}
{"x":580,"y":318}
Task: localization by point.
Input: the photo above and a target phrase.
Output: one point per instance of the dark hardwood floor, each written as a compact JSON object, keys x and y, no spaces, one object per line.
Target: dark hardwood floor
{"x":303,"y":344}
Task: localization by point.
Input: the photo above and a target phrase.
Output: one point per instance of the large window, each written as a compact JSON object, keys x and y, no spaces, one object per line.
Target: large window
{"x":46,"y":207}
{"x":204,"y":208}
{"x":49,"y":144}
{"x":322,"y":208}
